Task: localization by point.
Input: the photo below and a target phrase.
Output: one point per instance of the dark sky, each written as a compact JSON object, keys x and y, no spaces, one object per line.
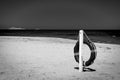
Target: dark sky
{"x":54,"y":14}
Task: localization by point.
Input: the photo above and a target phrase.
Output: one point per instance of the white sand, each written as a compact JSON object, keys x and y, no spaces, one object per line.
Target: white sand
{"x":45,"y":58}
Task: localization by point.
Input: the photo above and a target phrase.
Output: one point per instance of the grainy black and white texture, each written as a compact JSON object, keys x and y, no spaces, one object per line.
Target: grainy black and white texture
{"x":48,"y":55}
{"x":37,"y":38}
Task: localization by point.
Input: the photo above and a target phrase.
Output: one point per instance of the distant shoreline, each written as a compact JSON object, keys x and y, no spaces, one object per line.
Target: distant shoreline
{"x":89,"y":32}
{"x":102,"y":36}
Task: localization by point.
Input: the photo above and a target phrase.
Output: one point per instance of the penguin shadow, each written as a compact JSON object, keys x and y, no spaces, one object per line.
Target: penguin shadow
{"x":85,"y":69}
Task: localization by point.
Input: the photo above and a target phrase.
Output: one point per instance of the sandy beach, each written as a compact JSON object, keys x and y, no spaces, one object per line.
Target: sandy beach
{"x":48,"y":58}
